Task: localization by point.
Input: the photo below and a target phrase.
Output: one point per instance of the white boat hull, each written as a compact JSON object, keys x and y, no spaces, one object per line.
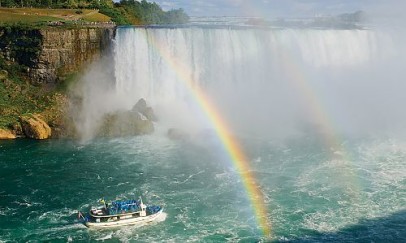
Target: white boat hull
{"x":124,"y":222}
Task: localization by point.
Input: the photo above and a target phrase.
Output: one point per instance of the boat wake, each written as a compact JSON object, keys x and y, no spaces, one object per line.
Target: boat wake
{"x":106,"y":237}
{"x":162,"y":217}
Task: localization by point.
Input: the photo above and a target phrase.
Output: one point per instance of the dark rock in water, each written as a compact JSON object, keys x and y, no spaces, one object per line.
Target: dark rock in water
{"x":137,"y":121}
{"x":177,"y":134}
{"x":125,"y":123}
{"x":142,"y":108}
{"x":149,"y":113}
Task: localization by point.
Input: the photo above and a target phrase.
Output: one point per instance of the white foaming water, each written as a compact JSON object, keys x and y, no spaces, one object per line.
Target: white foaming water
{"x":264,"y":81}
{"x":369,"y":186}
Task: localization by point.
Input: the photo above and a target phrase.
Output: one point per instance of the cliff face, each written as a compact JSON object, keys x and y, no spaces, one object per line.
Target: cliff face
{"x":48,"y":54}
{"x":33,"y":65}
{"x":65,"y":51}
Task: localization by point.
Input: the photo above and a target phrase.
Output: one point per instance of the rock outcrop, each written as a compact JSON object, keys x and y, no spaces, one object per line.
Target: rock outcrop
{"x":125,"y":123}
{"x":35,"y":127}
{"x":137,"y":121}
{"x":6,"y":134}
{"x":17,"y":129}
{"x":145,"y":110}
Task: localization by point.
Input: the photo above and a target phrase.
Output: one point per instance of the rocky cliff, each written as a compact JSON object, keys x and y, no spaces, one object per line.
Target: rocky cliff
{"x":65,"y":51}
{"x":34,"y":63}
{"x":49,"y":54}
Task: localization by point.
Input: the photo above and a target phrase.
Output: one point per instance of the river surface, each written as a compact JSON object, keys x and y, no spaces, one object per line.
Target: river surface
{"x":310,"y":196}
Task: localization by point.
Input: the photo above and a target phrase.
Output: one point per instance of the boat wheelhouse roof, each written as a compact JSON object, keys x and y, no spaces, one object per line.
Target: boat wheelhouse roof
{"x":118,"y":208}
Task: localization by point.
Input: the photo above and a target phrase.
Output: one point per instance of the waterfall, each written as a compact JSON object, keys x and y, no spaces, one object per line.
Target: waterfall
{"x":226,"y":57}
{"x":262,"y":77}
{"x":268,"y":82}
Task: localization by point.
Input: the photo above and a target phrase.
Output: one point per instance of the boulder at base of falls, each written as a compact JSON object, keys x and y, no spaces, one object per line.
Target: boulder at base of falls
{"x":6,"y":134}
{"x":125,"y":123}
{"x":128,"y":123}
{"x":35,"y":127}
{"x":145,"y":110}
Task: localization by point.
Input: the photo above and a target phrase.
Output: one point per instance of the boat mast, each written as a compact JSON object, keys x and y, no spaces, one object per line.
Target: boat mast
{"x":143,"y":212}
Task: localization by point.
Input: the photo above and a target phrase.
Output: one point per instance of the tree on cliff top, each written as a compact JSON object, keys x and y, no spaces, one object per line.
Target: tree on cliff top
{"x":150,"y":13}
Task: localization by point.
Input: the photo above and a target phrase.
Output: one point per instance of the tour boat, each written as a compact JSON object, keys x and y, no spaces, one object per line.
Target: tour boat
{"x":120,"y":213}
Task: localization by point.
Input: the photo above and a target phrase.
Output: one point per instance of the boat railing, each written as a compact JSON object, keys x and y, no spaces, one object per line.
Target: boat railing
{"x":113,"y":215}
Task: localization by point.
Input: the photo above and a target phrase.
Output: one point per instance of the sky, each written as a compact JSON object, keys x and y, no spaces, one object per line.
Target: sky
{"x":277,"y":8}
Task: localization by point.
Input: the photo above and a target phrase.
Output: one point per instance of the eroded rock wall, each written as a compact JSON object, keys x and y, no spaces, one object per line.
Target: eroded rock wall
{"x":66,"y":51}
{"x":48,"y":54}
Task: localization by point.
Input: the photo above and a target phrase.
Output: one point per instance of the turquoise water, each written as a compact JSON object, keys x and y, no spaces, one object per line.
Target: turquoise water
{"x":311,"y":195}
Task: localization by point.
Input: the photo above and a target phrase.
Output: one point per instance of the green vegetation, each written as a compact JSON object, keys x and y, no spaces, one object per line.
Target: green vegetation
{"x":125,"y":12}
{"x":148,"y":13}
{"x":22,"y":42}
{"x":18,"y":96}
{"x":37,"y":16}
{"x":53,"y":4}
{"x":13,"y":18}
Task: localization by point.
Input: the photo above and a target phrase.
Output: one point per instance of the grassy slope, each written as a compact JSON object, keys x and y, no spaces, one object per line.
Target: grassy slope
{"x":18,"y":97}
{"x":32,"y":15}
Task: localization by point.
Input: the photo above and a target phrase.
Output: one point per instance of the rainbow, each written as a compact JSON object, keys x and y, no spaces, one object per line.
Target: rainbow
{"x":332,"y":142}
{"x":230,"y":143}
